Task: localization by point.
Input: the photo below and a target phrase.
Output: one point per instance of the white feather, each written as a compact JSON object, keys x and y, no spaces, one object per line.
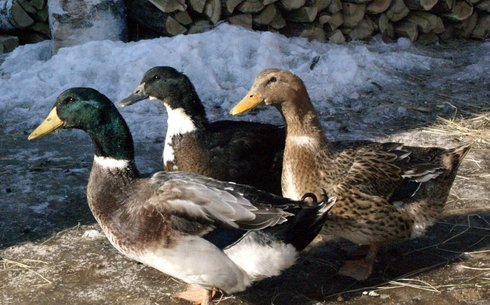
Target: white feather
{"x":191,"y":259}
{"x":196,"y":261}
{"x":262,"y":259}
{"x":111,"y":163}
{"x":289,"y":183}
{"x":305,"y":141}
{"x":331,"y":202}
{"x":421,"y":221}
{"x":422,"y":176}
{"x":178,"y":122}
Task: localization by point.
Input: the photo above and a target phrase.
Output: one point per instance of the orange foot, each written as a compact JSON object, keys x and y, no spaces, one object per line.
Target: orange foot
{"x":361,"y":269}
{"x":196,"y":295}
{"x":357,"y":269}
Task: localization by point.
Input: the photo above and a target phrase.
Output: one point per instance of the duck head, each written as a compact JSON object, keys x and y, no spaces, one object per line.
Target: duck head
{"x":274,"y":87}
{"x":91,"y":111}
{"x":81,"y":108}
{"x":172,"y":88}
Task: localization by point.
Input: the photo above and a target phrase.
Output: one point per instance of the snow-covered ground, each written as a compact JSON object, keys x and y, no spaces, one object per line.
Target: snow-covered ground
{"x":222,"y":64}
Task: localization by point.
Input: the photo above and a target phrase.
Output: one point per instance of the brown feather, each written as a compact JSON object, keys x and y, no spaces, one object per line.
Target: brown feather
{"x":364,"y":177}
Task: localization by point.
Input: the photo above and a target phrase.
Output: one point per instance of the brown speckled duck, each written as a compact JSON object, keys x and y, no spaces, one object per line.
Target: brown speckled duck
{"x":205,"y":232}
{"x":385,"y":192}
{"x":243,"y":152}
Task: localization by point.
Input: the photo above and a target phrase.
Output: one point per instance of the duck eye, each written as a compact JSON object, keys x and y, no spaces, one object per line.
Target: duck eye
{"x":156,"y":77}
{"x":271,"y":80}
{"x":69,"y":99}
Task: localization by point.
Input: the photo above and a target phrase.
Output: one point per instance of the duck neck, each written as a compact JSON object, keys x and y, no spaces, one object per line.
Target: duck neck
{"x":304,"y":142}
{"x":301,"y":118}
{"x":179,"y":123}
{"x":113,"y":143}
{"x":195,"y":109}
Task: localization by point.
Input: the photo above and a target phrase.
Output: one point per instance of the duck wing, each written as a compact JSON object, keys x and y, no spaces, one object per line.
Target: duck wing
{"x":389,"y":170}
{"x":225,"y":212}
{"x":225,"y":204}
{"x":248,"y":153}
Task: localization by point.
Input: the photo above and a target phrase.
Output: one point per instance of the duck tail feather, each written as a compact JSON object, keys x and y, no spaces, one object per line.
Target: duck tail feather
{"x":429,"y":203}
{"x":453,"y":157}
{"x":308,"y":223}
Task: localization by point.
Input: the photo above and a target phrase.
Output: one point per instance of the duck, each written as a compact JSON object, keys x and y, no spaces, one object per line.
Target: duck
{"x":212,"y":235}
{"x":385,"y":192}
{"x":239,"y":151}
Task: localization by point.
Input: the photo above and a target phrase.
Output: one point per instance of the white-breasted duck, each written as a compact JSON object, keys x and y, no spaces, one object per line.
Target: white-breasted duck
{"x":208,"y":233}
{"x":243,"y":152}
{"x":385,"y":192}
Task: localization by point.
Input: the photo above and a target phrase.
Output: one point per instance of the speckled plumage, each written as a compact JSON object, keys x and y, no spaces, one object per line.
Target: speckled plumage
{"x":242,"y":152}
{"x":206,"y":232}
{"x":385,"y":192}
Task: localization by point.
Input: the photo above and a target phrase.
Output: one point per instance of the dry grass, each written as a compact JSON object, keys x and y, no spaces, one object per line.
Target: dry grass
{"x":74,"y":228}
{"x":482,"y":279}
{"x":11,"y":265}
{"x":475,"y":129}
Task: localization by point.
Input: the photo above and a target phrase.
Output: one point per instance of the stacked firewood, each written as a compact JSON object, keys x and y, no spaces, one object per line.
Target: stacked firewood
{"x":324,"y":20}
{"x":25,"y":19}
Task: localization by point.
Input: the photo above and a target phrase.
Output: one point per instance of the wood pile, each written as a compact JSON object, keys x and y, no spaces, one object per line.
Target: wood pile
{"x":8,"y":43}
{"x":325,"y":20}
{"x":25,"y":19}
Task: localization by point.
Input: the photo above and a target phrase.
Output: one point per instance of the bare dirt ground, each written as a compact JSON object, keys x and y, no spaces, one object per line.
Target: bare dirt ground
{"x":52,"y":252}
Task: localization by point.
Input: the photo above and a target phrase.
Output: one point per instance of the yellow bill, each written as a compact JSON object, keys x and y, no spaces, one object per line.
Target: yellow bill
{"x":50,"y":124}
{"x":247,"y":103}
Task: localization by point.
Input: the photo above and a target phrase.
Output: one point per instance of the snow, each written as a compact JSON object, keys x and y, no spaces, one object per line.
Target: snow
{"x":73,"y":22}
{"x":222,"y":64}
{"x":92,"y":234}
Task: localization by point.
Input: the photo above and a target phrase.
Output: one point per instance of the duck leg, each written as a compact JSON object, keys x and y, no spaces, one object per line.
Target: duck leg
{"x":360,"y":269}
{"x":197,"y":295}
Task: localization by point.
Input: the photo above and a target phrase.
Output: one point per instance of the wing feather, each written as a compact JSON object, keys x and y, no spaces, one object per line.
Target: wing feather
{"x":207,"y":200}
{"x":385,"y":169}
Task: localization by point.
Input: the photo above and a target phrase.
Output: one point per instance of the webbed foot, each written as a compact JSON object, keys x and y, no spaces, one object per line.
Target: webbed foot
{"x":360,"y":269}
{"x":195,"y":294}
{"x":357,"y":269}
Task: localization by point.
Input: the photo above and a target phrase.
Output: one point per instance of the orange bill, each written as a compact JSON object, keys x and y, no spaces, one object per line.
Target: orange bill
{"x":247,"y":103}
